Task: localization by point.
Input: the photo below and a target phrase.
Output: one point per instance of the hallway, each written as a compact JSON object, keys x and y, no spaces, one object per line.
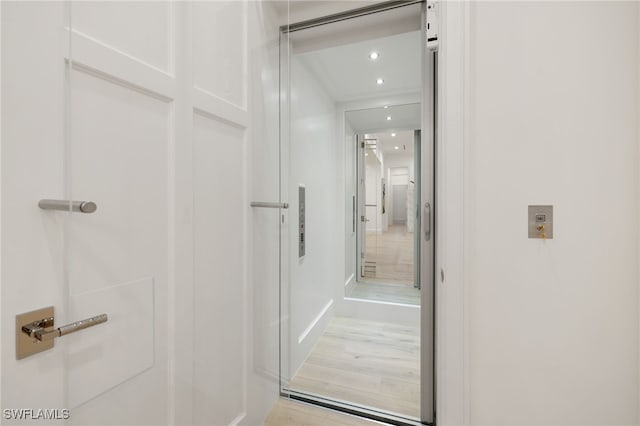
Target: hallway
{"x":240,"y":247}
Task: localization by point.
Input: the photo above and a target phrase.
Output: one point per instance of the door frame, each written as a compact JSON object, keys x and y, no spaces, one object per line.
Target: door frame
{"x":429,"y":116}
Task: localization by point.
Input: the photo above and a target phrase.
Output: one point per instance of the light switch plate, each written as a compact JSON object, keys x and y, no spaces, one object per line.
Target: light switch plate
{"x":540,"y":215}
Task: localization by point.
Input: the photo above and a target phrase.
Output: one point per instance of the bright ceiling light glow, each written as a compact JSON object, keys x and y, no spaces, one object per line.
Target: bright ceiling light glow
{"x":386,"y":106}
{"x":396,"y":147}
{"x":374,"y":55}
{"x":393,"y":135}
{"x":366,"y":154}
{"x":380,"y":81}
{"x":388,"y":117}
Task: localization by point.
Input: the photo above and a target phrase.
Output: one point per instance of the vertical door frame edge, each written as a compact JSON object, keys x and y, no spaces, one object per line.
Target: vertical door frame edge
{"x":454,"y":187}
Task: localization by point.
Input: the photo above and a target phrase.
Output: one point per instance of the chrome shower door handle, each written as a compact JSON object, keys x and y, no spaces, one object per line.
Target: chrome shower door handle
{"x":427,"y":221}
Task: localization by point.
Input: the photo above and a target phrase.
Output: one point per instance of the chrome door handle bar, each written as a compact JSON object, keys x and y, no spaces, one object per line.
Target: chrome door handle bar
{"x":76,"y":206}
{"x":37,"y":330}
{"x":270,"y":205}
{"x":427,"y":221}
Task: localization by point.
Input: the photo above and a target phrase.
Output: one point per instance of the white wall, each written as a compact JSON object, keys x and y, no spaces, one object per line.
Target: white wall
{"x":553,"y":325}
{"x":315,"y":157}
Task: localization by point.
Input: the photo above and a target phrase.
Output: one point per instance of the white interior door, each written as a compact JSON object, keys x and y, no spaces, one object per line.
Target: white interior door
{"x":73,"y":129}
{"x":118,"y":157}
{"x":139,"y":107}
{"x":33,"y":167}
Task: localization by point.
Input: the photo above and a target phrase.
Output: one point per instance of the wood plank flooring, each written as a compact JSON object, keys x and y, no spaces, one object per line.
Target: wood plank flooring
{"x":293,"y":413}
{"x":371,"y":363}
{"x":396,"y":293}
{"x":389,"y":256}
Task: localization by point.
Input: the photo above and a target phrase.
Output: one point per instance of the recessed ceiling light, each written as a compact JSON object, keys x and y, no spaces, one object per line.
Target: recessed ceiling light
{"x":386,"y":106}
{"x":393,"y":135}
{"x":380,"y":81}
{"x":374,"y":55}
{"x":388,"y":117}
{"x":396,"y":147}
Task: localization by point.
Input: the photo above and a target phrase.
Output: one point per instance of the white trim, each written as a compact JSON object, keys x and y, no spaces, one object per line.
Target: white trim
{"x":452,"y":389}
{"x":349,"y":280}
{"x":1,"y":363}
{"x":349,"y":284}
{"x":208,"y":104}
{"x":92,"y":54}
{"x":315,"y":321}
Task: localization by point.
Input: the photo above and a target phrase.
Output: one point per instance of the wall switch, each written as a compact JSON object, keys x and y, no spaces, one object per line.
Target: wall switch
{"x":541,"y":222}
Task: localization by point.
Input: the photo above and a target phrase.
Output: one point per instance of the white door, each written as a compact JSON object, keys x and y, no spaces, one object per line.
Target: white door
{"x":75,"y":128}
{"x":400,"y":204}
{"x":139,"y":108}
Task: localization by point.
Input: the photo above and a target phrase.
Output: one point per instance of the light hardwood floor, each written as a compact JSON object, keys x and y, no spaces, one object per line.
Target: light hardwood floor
{"x":367,"y":362}
{"x":389,"y":256}
{"x":389,"y":273}
{"x":383,"y":292}
{"x":292,"y":413}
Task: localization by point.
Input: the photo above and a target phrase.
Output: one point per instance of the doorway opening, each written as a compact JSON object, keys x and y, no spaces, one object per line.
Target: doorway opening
{"x":388,"y":200}
{"x":356,"y":281}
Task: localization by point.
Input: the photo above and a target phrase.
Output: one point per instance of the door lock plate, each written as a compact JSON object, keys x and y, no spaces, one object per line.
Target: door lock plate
{"x":26,"y":345}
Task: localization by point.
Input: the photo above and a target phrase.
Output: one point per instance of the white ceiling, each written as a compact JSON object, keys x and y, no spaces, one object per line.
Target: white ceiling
{"x":387,"y":144}
{"x":348,"y":74}
{"x":372,"y":120}
{"x":338,"y":56}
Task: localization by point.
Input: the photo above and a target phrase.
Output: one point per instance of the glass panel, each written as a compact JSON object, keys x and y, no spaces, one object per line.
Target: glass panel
{"x":336,"y":345}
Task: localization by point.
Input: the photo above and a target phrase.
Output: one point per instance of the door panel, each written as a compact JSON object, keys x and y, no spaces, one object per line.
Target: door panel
{"x":218,"y":164}
{"x":119,"y":155}
{"x":141,"y":30}
{"x":400,"y":204}
{"x":140,"y":108}
{"x":105,"y":357}
{"x":33,"y":261}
